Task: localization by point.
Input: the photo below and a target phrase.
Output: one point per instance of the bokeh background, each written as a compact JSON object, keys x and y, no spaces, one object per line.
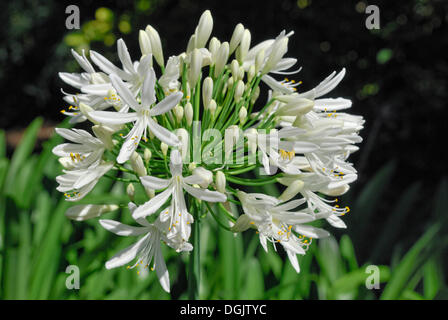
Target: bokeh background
{"x":396,"y":78}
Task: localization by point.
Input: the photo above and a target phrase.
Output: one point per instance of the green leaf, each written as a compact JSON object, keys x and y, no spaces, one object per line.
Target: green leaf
{"x":431,"y":278}
{"x":22,"y":154}
{"x":348,"y":252}
{"x":408,"y":265}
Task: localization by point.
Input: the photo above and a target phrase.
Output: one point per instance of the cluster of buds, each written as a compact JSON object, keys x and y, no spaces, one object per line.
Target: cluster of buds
{"x":196,"y":138}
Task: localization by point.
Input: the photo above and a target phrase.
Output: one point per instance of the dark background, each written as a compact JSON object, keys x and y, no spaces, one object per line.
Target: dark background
{"x":396,"y":76}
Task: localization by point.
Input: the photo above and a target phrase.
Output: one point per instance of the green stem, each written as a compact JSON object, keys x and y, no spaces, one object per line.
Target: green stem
{"x":194,"y":263}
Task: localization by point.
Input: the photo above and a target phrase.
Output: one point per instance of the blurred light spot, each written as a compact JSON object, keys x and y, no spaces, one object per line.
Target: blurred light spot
{"x":325,"y":46}
{"x":360,"y":7}
{"x":302,"y":4}
{"x":104,"y":14}
{"x":384,"y":55}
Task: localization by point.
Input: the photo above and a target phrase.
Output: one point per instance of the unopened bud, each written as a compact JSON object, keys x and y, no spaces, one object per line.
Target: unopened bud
{"x":236,"y":37}
{"x":292,"y":190}
{"x":137,"y":164}
{"x":205,"y":176}
{"x":188,"y":110}
{"x":178,"y":113}
{"x":259,"y":61}
{"x":212,"y":107}
{"x":242,"y":50}
{"x":220,"y":180}
{"x":145,"y":43}
{"x":221,"y":58}
{"x":255,"y":95}
{"x":130,"y":191}
{"x":243,"y":115}
{"x":234,"y":68}
{"x":239,"y":90}
{"x":204,"y":29}
{"x":156,"y":45}
{"x":194,"y":70}
{"x":147,"y":154}
{"x":207,"y":91}
{"x":213,"y":47}
{"x":164,"y":148}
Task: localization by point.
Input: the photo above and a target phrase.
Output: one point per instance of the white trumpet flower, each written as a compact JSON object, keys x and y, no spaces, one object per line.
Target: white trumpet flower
{"x":178,"y":215}
{"x":142,"y":117}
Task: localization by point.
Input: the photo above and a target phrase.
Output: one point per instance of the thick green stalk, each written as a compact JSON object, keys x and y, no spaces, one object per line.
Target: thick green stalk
{"x":194,"y":263}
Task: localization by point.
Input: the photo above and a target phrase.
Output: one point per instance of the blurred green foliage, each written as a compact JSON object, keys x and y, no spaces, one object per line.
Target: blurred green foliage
{"x":37,"y":243}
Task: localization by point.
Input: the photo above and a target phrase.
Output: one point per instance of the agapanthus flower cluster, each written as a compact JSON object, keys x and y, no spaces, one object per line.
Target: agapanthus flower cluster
{"x":193,"y":132}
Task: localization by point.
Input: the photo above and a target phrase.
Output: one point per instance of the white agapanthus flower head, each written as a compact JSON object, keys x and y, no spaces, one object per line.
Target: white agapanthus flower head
{"x":194,"y":135}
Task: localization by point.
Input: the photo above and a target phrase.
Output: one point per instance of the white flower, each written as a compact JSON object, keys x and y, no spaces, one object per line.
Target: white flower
{"x":76,"y":184}
{"x":86,"y":151}
{"x":142,"y":117}
{"x":277,"y":224}
{"x":178,"y":215}
{"x":169,"y":79}
{"x":146,"y":250}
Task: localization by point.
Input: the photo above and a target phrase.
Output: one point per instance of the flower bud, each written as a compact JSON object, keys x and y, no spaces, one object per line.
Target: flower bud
{"x":250,"y":73}
{"x":236,"y":37}
{"x":221,"y":58}
{"x":144,"y":42}
{"x":204,"y":29}
{"x":137,"y":164}
{"x":212,"y":107}
{"x":84,"y":212}
{"x":130,"y":191}
{"x":230,"y":82}
{"x":164,"y":148}
{"x":147,"y":154}
{"x":184,"y":139}
{"x":241,"y":74}
{"x":205,"y":176}
{"x":242,"y":50}
{"x":85,"y":110}
{"x":178,"y":113}
{"x":278,"y":51}
{"x":292,"y":190}
{"x":220,"y":181}
{"x":156,"y":45}
{"x":195,"y":67}
{"x":251,"y":135}
{"x":255,"y":95}
{"x":259,"y":61}
{"x":150,"y":192}
{"x":207,"y":91}
{"x":191,"y":44}
{"x":239,"y":90}
{"x":213,"y":47}
{"x":192,"y":166}
{"x":188,"y":110}
{"x":243,"y":115}
{"x":234,"y":68}
{"x":104,"y":134}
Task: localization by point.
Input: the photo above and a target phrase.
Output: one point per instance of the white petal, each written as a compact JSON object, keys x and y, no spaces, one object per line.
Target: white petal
{"x":128,"y":254}
{"x":124,"y":92}
{"x":336,"y":222}
{"x":161,"y":270}
{"x":124,"y":56}
{"x":131,"y":142}
{"x":154,"y":182}
{"x":311,"y":232}
{"x":152,"y":205}
{"x":122,"y":229}
{"x":148,"y":93}
{"x":205,"y":194}
{"x":111,"y":117}
{"x":107,"y":66}
{"x":162,"y":133}
{"x":166,"y":104}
